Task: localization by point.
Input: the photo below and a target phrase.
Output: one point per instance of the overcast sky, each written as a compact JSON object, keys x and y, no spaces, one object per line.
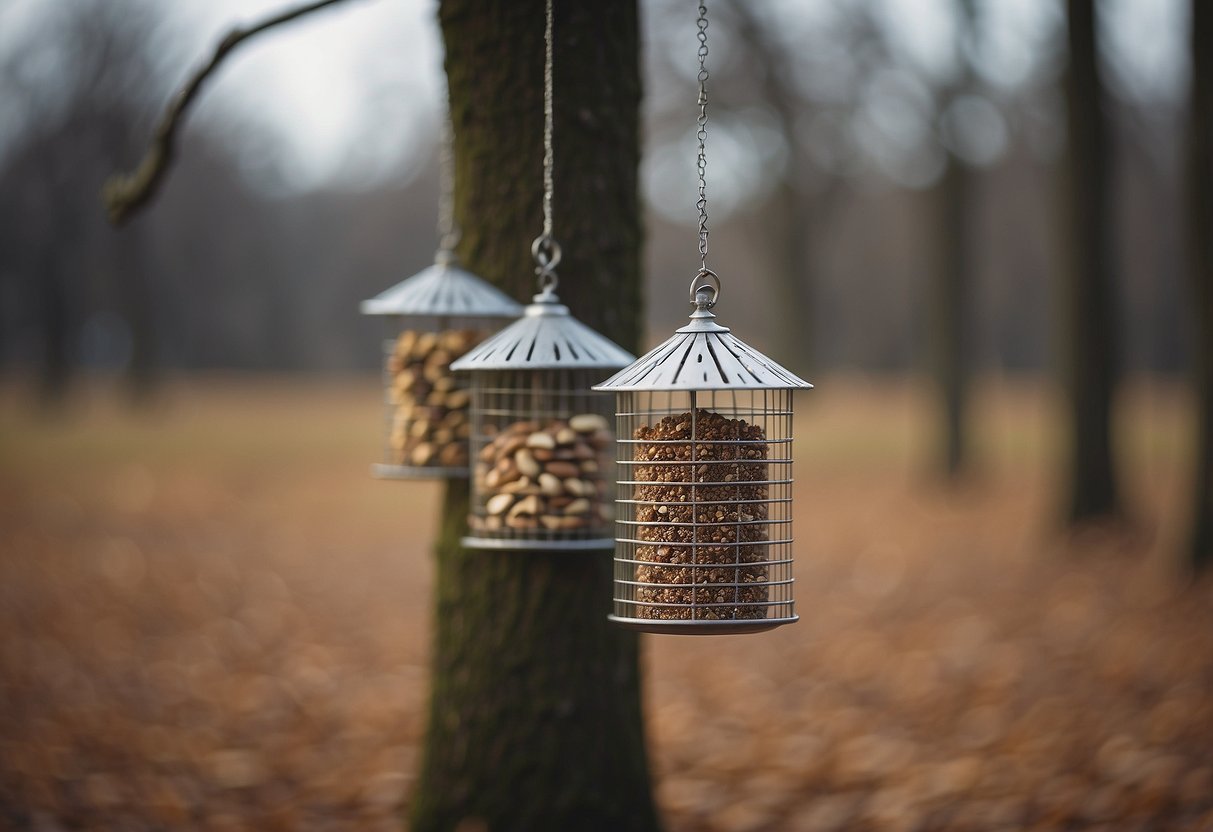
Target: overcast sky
{"x":349,"y":93}
{"x":343,"y":93}
{"x":317,"y":86}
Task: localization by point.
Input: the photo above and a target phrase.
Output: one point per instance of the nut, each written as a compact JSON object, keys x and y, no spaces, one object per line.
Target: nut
{"x":539,"y":439}
{"x":498,"y":503}
{"x":453,"y":455}
{"x":422,"y":454}
{"x":579,"y":506}
{"x":527,"y":505}
{"x":589,"y":423}
{"x":430,"y":408}
{"x":562,"y":468}
{"x":511,"y":445}
{"x":518,"y":486}
{"x":526,"y":463}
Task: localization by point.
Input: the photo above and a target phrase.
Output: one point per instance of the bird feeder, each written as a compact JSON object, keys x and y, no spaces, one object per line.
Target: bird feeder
{"x":704,"y":506}
{"x":432,"y":318}
{"x":541,"y":441}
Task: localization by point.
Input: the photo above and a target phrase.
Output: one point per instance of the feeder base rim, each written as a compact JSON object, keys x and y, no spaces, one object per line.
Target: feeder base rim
{"x":383,"y":471}
{"x":701,"y":628}
{"x":538,"y":545}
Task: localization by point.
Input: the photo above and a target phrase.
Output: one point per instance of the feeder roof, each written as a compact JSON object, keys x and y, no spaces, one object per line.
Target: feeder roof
{"x":443,"y":290}
{"x":703,"y":355}
{"x":546,"y":337}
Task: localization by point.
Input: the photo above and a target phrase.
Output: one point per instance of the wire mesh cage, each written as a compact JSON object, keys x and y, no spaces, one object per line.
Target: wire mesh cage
{"x":541,"y":440}
{"x":432,"y":319}
{"x":704,"y":494}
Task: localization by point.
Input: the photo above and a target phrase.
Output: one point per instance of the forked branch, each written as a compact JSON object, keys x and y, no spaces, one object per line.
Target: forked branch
{"x":124,"y":194}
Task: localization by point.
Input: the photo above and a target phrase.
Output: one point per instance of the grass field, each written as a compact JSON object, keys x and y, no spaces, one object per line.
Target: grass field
{"x":212,"y":618}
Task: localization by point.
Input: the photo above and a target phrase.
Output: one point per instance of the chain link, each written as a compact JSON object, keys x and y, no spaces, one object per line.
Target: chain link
{"x":544,"y":249}
{"x":448,"y":234}
{"x":701,"y":204}
{"x":548,"y":155}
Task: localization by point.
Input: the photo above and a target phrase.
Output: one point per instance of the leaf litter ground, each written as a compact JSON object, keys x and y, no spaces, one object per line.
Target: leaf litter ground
{"x":211,"y":618}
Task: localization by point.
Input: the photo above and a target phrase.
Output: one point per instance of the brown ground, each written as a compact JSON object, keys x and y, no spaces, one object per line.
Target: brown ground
{"x":211,"y":618}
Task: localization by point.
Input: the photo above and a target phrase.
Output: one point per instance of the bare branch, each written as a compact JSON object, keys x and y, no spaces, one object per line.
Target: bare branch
{"x":124,"y":194}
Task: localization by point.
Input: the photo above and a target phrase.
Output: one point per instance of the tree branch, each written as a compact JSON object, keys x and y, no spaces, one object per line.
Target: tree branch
{"x":124,"y":194}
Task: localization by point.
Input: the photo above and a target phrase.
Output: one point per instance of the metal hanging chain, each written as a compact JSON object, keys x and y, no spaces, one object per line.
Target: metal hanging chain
{"x":701,"y":165}
{"x":549,"y":157}
{"x":448,"y":234}
{"x":545,"y":250}
{"x":701,"y":205}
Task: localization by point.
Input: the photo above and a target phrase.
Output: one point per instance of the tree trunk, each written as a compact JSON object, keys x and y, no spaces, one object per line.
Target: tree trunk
{"x":1200,"y":246}
{"x":535,"y":718}
{"x":951,"y":288}
{"x":950,"y":302}
{"x":1088,"y":314}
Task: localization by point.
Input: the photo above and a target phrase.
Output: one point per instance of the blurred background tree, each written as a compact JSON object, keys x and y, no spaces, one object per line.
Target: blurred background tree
{"x":81,"y":87}
{"x":1199,"y":191}
{"x":830,"y":140}
{"x":951,"y":292}
{"x":1088,"y":285}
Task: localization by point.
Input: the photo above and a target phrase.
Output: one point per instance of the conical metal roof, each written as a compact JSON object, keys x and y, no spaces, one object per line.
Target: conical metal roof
{"x":546,"y":337}
{"x":443,"y":290}
{"x":703,"y":355}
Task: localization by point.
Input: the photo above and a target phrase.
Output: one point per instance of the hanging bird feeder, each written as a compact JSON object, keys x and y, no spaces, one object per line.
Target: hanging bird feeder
{"x":433,"y":318}
{"x":542,"y":443}
{"x":704,"y":513}
{"x":704,"y":506}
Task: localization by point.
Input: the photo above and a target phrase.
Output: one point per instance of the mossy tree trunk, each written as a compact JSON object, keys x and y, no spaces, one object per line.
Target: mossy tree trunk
{"x":1088,"y":317}
{"x":535,"y":718}
{"x":1200,"y":247}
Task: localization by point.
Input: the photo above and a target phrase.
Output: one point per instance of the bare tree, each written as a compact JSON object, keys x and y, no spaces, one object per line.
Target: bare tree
{"x":1088,"y":310}
{"x":951,"y":289}
{"x":1200,"y":247}
{"x":79,"y":120}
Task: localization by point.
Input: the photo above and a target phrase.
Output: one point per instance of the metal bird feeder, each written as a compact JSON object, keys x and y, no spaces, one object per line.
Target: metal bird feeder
{"x":433,"y":318}
{"x":542,"y":442}
{"x":704,"y":503}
